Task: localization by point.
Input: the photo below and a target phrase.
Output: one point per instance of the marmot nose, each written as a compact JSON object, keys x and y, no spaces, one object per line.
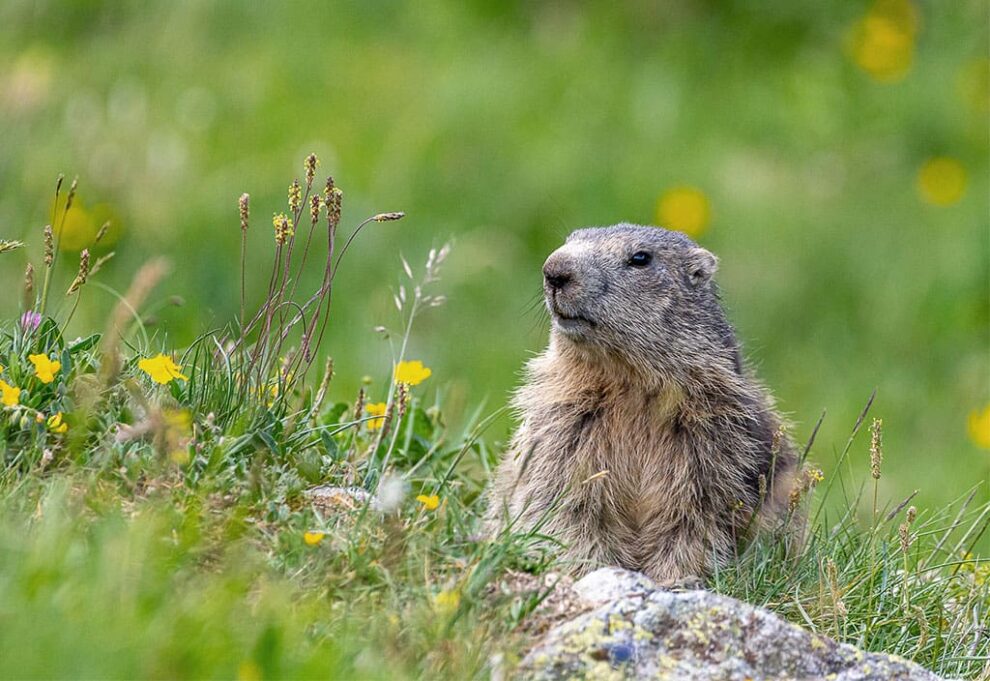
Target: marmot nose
{"x":557,"y":276}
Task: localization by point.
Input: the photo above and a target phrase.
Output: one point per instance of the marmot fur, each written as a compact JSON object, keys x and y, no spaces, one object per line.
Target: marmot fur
{"x":643,"y":440}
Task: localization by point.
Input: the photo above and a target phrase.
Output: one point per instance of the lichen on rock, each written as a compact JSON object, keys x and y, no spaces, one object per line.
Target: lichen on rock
{"x":638,"y":631}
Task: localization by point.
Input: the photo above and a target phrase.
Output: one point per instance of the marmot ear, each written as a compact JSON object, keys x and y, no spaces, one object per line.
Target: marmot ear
{"x":701,"y":266}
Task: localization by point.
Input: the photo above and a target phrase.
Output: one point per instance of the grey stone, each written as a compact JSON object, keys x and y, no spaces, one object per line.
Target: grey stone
{"x":638,"y":631}
{"x":609,"y":584}
{"x":330,"y":498}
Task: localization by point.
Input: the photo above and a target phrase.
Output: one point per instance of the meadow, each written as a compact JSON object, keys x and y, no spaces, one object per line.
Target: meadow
{"x":169,"y":396}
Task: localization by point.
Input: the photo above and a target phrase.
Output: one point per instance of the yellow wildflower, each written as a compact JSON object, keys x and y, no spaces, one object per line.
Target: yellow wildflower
{"x":684,"y":209}
{"x":447,"y":601}
{"x":411,"y":373}
{"x":55,"y":423}
{"x":430,"y":502}
{"x":44,"y":368}
{"x":979,"y":427}
{"x":312,"y":538}
{"x":161,"y":369}
{"x":376,"y":409}
{"x":942,"y":181}
{"x":9,"y":395}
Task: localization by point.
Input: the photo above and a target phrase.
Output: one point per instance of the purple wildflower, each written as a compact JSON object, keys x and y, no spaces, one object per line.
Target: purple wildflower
{"x":30,"y":320}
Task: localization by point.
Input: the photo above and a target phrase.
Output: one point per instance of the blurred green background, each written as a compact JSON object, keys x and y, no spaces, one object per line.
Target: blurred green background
{"x":834,"y":155}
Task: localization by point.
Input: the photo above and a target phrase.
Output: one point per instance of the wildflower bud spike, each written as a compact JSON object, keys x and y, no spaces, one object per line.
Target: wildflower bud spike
{"x":312,"y":163}
{"x":295,"y":197}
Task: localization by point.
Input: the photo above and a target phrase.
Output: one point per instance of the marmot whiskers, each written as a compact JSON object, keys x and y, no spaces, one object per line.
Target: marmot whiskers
{"x":643,"y":441}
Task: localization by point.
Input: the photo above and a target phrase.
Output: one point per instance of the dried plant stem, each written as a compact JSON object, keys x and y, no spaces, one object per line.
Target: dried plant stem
{"x":58,"y":238}
{"x":309,"y":241}
{"x":243,"y":268}
{"x":50,"y":248}
{"x":267,"y":308}
{"x":327,"y":289}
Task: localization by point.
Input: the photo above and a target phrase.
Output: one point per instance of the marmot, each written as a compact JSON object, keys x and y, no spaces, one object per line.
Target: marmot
{"x":643,"y":440}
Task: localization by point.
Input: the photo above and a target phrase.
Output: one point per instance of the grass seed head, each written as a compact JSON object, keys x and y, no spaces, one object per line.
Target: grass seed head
{"x":243,"y":205}
{"x":362,"y":396}
{"x":72,"y":194}
{"x":6,"y":246}
{"x":876,"y":447}
{"x":904,"y":531}
{"x":840,"y":609}
{"x":29,"y":286}
{"x":402,"y":398}
{"x":332,"y":198}
{"x":82,"y":275}
{"x":49,"y":246}
{"x":102,"y":233}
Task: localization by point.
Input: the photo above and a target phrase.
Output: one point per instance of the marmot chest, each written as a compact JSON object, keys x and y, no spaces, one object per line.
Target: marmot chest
{"x":634,"y":449}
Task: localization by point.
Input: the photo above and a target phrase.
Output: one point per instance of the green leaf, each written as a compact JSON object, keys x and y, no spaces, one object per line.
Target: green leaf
{"x":84,"y":344}
{"x":49,"y":335}
{"x":332,"y":416}
{"x":66,"y":360}
{"x":333,"y":451}
{"x":269,"y":441}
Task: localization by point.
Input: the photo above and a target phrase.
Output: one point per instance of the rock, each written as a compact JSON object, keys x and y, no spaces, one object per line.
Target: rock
{"x":610,"y":584}
{"x":329,"y":499}
{"x":639,"y":631}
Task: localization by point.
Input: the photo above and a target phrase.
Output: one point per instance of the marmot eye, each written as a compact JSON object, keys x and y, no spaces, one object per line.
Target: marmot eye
{"x":640,"y":259}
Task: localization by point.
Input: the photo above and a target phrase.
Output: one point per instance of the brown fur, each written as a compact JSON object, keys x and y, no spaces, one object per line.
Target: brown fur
{"x":643,"y":442}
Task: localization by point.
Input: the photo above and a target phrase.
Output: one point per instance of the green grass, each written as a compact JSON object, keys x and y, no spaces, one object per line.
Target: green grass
{"x":504,"y":125}
{"x":167,"y":532}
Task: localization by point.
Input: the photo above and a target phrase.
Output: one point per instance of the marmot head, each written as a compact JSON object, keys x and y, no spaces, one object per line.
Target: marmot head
{"x":642,"y":295}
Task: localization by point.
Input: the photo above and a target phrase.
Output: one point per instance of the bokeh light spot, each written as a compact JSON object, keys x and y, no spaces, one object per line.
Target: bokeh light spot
{"x":942,"y":181}
{"x":684,"y":209}
{"x":979,"y":427}
{"x":883,"y":41}
{"x":82,"y":224}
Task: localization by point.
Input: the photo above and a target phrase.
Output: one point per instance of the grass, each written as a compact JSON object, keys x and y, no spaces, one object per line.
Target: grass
{"x":506,"y":125}
{"x":166,"y":530}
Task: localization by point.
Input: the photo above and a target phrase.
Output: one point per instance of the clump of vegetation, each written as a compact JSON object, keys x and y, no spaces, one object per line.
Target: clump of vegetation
{"x":214,"y":513}
{"x":163,"y":494}
{"x":891,"y":579}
